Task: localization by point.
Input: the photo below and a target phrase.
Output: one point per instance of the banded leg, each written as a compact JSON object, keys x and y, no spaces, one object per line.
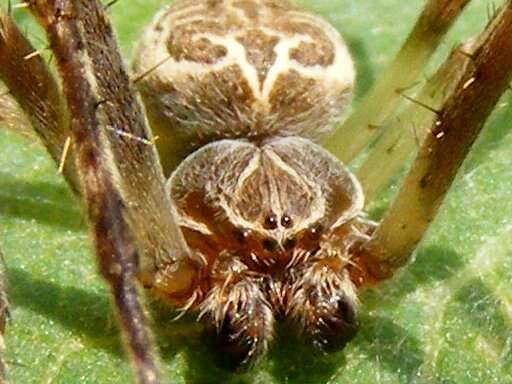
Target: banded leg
{"x":443,"y":150}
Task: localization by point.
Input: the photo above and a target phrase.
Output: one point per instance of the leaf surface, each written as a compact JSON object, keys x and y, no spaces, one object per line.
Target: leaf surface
{"x":445,"y":318}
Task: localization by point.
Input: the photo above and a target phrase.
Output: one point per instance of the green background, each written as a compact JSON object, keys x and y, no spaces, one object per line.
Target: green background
{"x":445,"y":318}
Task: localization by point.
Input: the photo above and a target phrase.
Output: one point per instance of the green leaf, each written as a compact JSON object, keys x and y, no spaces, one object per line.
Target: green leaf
{"x":445,"y":318}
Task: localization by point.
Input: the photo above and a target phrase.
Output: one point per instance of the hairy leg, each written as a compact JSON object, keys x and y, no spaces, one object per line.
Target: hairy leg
{"x":117,"y":166}
{"x":238,"y":314}
{"x":140,"y":176}
{"x":322,"y":300}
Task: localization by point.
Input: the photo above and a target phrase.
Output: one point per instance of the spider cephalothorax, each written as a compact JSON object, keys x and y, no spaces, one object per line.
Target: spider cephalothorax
{"x":277,"y":218}
{"x":272,"y":216}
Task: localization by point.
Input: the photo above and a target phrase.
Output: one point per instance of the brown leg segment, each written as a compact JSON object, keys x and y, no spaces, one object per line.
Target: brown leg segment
{"x":132,"y":158}
{"x":443,"y":150}
{"x":12,"y":116}
{"x":98,"y":96}
{"x":29,"y":81}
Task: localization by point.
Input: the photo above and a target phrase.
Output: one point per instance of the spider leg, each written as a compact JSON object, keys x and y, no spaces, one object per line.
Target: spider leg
{"x":113,"y":237}
{"x":324,"y":303}
{"x":401,"y":134}
{"x":22,"y":70}
{"x":239,"y":320}
{"x":359,"y":129}
{"x":122,"y":180}
{"x":123,"y":127}
{"x":443,"y":150}
{"x":31,"y":84}
{"x":12,"y":116}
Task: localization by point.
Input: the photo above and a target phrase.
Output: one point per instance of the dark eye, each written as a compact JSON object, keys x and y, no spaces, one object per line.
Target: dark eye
{"x":290,"y":243}
{"x":316,"y":230}
{"x":286,"y":221}
{"x":270,"y":222}
{"x":242,"y":234}
{"x":270,"y":244}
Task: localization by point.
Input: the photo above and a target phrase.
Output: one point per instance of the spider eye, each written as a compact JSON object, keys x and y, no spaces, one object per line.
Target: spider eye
{"x":242,"y":234}
{"x":286,"y":221}
{"x":290,"y":243}
{"x":270,"y":244}
{"x":316,"y":230}
{"x":270,"y":221}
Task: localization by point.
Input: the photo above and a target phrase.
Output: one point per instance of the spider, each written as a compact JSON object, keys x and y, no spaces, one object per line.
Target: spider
{"x":257,"y":222}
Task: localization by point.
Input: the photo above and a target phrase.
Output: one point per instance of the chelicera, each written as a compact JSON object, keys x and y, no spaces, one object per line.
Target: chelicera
{"x":257,"y":222}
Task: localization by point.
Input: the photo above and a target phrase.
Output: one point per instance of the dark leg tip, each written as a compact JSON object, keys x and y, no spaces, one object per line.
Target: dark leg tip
{"x":236,"y":349}
{"x":335,"y":327}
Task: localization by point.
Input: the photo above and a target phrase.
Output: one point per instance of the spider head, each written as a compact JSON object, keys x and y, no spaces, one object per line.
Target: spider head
{"x":274,"y":224}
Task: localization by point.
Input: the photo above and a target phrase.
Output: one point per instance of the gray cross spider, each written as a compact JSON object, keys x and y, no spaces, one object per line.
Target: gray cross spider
{"x":257,"y":222}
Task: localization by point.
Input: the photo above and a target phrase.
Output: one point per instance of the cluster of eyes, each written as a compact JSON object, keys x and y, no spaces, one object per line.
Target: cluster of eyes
{"x":272,"y":222}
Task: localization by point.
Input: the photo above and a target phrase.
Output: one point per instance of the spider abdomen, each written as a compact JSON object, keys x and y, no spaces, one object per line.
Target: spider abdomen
{"x":209,"y":70}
